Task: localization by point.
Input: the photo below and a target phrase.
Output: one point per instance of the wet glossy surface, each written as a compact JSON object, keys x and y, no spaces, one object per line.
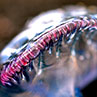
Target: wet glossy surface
{"x":65,"y":72}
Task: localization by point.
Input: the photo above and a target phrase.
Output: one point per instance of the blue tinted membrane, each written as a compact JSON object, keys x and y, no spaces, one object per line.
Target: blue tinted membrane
{"x":13,"y":48}
{"x":20,"y":42}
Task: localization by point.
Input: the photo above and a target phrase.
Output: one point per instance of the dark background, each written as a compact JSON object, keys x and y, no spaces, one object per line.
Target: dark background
{"x":14,"y":13}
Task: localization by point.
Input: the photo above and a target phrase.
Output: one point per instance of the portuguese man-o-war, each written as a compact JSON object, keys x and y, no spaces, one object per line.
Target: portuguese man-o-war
{"x":55,"y":56}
